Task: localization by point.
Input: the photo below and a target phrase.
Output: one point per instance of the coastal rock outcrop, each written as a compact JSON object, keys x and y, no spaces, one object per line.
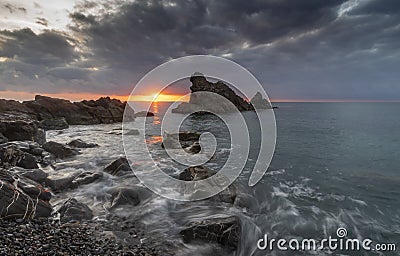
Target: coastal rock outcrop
{"x":21,"y":120}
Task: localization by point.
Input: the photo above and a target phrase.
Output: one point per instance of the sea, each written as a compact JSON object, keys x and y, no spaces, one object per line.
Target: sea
{"x":335,"y":166}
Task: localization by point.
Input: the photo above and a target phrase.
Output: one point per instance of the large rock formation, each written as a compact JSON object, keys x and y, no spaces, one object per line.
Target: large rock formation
{"x":202,"y":101}
{"x":27,"y":121}
{"x":103,"y":110}
{"x":199,"y":100}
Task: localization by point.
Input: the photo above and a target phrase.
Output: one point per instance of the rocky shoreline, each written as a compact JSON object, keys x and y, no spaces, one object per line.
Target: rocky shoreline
{"x":30,"y":221}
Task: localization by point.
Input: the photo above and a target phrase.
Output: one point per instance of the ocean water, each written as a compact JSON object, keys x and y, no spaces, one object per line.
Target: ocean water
{"x":335,"y":165}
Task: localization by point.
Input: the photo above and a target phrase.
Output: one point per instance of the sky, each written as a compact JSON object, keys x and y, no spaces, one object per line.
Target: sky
{"x":298,"y":50}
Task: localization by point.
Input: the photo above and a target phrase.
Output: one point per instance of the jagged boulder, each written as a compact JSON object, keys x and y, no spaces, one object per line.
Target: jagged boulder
{"x":194,"y":173}
{"x":118,"y":167}
{"x":133,"y":195}
{"x":86,"y":178}
{"x":19,"y":127}
{"x":59,"y":150}
{"x":11,"y":155}
{"x":54,"y":124}
{"x":225,"y":231}
{"x":72,"y":210}
{"x":78,"y":143}
{"x":22,"y":198}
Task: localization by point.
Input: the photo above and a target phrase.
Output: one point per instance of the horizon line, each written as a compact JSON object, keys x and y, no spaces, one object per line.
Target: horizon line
{"x":23,"y":96}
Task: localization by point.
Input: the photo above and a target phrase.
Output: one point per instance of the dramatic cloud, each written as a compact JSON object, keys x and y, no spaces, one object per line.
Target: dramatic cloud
{"x":298,"y":49}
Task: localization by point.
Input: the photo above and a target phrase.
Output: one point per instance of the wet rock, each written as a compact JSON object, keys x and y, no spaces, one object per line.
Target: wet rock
{"x":259,"y":102}
{"x":200,"y":100}
{"x":22,"y":198}
{"x":54,"y":124}
{"x":11,"y":155}
{"x":86,"y":178}
{"x":144,"y":114}
{"x":78,"y":143}
{"x":182,"y":139}
{"x":37,"y":175}
{"x":59,"y":150}
{"x":118,"y":167}
{"x":74,"y":210}
{"x":132,"y":132}
{"x":194,"y":173}
{"x":248,"y":202}
{"x":17,"y":127}
{"x":225,"y":231}
{"x":58,"y":183}
{"x":228,"y":195}
{"x":129,"y":196}
{"x":3,"y":138}
{"x":195,"y":148}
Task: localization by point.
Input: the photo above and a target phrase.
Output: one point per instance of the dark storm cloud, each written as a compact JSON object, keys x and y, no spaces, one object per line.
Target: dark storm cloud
{"x":298,"y":49}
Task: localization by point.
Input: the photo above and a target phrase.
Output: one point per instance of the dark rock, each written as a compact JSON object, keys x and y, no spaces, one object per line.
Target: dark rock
{"x":59,"y":150}
{"x":144,"y":114}
{"x":22,"y":198}
{"x":133,"y":195}
{"x":32,"y":174}
{"x":78,"y":143}
{"x":74,"y":210}
{"x":103,"y":110}
{"x":11,"y":155}
{"x":118,"y":167}
{"x":182,"y":139}
{"x":17,"y":127}
{"x":86,"y":178}
{"x":194,"y":173}
{"x":3,"y":138}
{"x":200,"y":100}
{"x":259,"y":102}
{"x":132,"y":132}
{"x":54,"y":124}
{"x":225,"y":231}
{"x":195,"y":148}
{"x":228,"y":195}
{"x":58,"y":184}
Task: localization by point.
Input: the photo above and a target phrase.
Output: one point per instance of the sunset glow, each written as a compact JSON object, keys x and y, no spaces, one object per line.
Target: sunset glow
{"x":159,"y":97}
{"x":22,"y":96}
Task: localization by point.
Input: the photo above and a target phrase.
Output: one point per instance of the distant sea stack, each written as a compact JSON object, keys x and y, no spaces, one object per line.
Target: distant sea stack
{"x":200,"y":101}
